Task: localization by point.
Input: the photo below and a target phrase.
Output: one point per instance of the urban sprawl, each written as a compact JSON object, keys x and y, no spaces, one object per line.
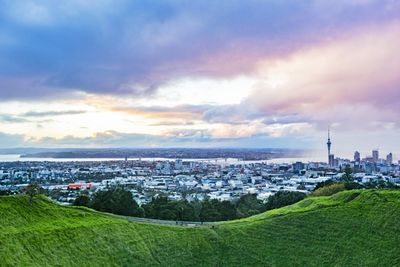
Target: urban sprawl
{"x":185,"y":179}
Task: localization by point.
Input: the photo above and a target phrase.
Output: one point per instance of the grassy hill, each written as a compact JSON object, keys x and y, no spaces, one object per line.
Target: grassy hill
{"x":351,"y":228}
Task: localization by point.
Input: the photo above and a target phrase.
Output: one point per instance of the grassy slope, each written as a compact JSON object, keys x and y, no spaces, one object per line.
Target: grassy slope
{"x":353,"y":228}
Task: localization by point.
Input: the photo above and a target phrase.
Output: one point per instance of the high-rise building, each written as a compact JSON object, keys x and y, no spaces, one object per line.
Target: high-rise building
{"x":357,"y":156}
{"x":178,"y":164}
{"x":389,"y":159}
{"x":329,"y":144}
{"x":298,"y":167}
{"x":375,"y":155}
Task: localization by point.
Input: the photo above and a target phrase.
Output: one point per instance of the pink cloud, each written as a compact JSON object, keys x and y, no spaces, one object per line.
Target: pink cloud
{"x":357,"y":77}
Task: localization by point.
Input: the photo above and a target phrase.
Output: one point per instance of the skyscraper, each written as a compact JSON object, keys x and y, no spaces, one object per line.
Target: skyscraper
{"x":357,"y":156}
{"x":389,"y":159}
{"x":375,"y":155}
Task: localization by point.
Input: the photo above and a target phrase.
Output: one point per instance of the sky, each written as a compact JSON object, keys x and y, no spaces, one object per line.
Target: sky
{"x":258,"y":74}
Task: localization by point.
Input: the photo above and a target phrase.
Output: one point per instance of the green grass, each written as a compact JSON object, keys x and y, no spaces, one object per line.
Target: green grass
{"x":351,"y":228}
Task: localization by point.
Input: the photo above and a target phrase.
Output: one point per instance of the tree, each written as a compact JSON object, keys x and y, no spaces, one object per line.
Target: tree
{"x":348,"y":175}
{"x":117,"y":201}
{"x":227,"y":210}
{"x":32,"y":190}
{"x":353,"y":185}
{"x":197,"y":206}
{"x":209,"y":211}
{"x":168,"y":214}
{"x":187,"y":210}
{"x":283,"y":198}
{"x":380,"y":185}
{"x":164,"y":209}
{"x":322,"y":184}
{"x":5,"y":192}
{"x":82,"y":200}
{"x":248,"y":203}
{"x":301,"y":187}
{"x":154,"y":208}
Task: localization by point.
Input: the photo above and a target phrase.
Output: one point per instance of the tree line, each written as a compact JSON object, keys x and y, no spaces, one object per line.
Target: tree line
{"x":120,"y":201}
{"x":348,"y":182}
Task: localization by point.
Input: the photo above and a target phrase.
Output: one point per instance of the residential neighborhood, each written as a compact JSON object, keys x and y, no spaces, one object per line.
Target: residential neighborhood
{"x":186,"y":179}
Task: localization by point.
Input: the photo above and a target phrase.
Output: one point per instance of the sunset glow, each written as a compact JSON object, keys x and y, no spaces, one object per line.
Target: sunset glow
{"x":163,"y":74}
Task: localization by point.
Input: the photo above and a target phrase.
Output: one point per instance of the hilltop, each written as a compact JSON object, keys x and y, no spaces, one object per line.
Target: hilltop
{"x":351,"y":228}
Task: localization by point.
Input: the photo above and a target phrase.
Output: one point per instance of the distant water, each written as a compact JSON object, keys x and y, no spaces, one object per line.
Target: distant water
{"x":222,"y":161}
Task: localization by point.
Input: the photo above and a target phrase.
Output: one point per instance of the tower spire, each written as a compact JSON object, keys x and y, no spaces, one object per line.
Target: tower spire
{"x":329,"y":144}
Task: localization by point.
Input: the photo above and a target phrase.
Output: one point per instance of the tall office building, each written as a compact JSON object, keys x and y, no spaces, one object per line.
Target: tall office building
{"x":389,"y":159}
{"x":375,"y":155}
{"x":357,"y":156}
{"x":298,"y":167}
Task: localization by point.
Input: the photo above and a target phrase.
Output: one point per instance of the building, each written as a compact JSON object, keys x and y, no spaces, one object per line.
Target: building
{"x":375,"y":155}
{"x":389,"y":159}
{"x":329,"y":145}
{"x":370,"y":168}
{"x":178,"y":164}
{"x":357,"y":157}
{"x":81,"y":186}
{"x":298,"y":167}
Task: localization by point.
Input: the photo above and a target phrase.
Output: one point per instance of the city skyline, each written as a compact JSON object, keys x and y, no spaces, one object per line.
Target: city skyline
{"x":373,"y":157}
{"x":200,"y":74}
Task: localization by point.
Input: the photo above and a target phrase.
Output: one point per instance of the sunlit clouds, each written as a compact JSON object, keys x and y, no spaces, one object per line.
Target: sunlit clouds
{"x":205,"y":74}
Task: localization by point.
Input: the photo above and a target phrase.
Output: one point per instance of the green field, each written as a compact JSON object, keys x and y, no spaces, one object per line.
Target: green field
{"x":351,"y":228}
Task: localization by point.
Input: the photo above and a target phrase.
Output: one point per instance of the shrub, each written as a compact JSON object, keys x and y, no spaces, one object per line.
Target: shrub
{"x":329,"y":190}
{"x":323,"y":184}
{"x":352,"y":186}
{"x":82,"y":200}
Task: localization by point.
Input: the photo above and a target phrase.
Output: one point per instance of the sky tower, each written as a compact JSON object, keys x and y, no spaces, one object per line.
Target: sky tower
{"x":329,"y":144}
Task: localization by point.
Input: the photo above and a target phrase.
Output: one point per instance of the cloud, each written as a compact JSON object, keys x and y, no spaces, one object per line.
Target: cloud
{"x":32,"y":116}
{"x":232,"y":114}
{"x":163,"y":112}
{"x":11,"y":140}
{"x":173,"y":122}
{"x":132,"y":47}
{"x":354,"y":80}
{"x":189,"y":138}
{"x":12,"y":119}
{"x":182,"y":70}
{"x":52,"y":113}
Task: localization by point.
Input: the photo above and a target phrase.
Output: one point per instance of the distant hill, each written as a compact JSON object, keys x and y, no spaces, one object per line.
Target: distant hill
{"x":27,"y":150}
{"x":185,"y":153}
{"x":351,"y":228}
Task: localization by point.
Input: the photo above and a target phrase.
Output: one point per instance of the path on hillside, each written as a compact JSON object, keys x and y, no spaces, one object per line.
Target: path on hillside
{"x":166,"y":222}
